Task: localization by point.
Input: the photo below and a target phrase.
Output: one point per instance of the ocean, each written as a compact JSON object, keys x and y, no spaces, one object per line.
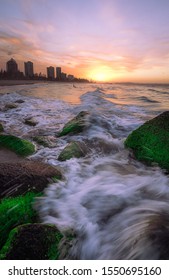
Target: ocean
{"x":116,"y":207}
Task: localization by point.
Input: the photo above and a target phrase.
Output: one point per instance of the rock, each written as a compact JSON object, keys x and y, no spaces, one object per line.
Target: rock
{"x":75,"y":149}
{"x":150,"y":142}
{"x":11,"y":106}
{"x":1,"y":127}
{"x":75,"y":125}
{"x":9,"y":156}
{"x":31,"y":121}
{"x":17,"y":178}
{"x":16,"y":211}
{"x":32,"y":242}
{"x":20,"y":101}
{"x":102,"y":146}
{"x":42,"y":140}
{"x":19,"y":146}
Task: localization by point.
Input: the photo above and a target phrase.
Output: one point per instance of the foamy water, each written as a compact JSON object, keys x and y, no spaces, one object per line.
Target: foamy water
{"x":116,"y":207}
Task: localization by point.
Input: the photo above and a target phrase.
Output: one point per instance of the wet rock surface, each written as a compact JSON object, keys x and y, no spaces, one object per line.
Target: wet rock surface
{"x":150,"y":142}
{"x":32,"y":242}
{"x":76,"y":125}
{"x":18,"y":145}
{"x":30,"y":121}
{"x":18,"y":178}
{"x":74,"y":149}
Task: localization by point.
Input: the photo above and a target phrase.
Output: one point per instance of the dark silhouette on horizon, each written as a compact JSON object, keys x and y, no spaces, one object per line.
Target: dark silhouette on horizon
{"x":13,"y":73}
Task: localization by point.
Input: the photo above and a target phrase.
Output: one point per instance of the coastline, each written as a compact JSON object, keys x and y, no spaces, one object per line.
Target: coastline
{"x":20,"y":82}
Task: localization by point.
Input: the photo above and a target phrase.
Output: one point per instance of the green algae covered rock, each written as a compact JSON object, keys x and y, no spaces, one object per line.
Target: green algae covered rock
{"x":75,"y":125}
{"x":1,"y":127}
{"x":32,"y":242}
{"x":19,"y":146}
{"x":75,"y":149}
{"x":14,"y":212}
{"x":150,"y":142}
{"x":42,"y":140}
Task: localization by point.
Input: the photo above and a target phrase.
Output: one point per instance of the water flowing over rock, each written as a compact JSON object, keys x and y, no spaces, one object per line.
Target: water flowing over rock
{"x":113,"y":205}
{"x":75,"y":125}
{"x":150,"y":142}
{"x":74,"y":149}
{"x":42,"y":140}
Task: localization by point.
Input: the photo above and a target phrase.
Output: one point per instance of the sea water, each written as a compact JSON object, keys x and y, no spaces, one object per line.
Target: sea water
{"x":115,"y":206}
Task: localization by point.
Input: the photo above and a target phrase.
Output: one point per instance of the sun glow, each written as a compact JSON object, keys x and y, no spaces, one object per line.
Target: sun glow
{"x":101,"y":74}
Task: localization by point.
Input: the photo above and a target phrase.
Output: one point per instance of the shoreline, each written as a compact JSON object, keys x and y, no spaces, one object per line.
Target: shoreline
{"x":20,"y":82}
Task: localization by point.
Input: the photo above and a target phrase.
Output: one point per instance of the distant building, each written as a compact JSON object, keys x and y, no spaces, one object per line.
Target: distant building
{"x":58,"y":73}
{"x":63,"y":76}
{"x":50,"y":73}
{"x":12,"y":67}
{"x":70,"y":77}
{"x":28,"y":69}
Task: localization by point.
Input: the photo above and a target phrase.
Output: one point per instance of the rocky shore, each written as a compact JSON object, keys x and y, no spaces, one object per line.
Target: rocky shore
{"x":22,"y":180}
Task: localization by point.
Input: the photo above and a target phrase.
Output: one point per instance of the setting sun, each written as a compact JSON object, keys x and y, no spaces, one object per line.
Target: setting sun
{"x":101,"y":74}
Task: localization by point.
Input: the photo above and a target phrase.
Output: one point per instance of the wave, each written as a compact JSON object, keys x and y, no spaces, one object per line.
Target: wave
{"x":146,"y":99}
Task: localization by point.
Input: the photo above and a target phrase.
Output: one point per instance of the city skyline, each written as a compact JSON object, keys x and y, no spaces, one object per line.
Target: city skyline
{"x":12,"y":71}
{"x":118,"y":41}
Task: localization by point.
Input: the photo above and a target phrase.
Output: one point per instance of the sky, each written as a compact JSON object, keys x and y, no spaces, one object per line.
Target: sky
{"x":103,"y":40}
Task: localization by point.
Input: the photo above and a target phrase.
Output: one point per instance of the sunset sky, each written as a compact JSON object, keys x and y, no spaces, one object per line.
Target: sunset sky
{"x":105,"y":40}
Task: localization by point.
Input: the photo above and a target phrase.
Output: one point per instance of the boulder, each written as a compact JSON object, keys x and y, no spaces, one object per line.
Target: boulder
{"x":76,"y":125}
{"x":20,"y":101}
{"x":16,"y":211}
{"x":18,"y":178}
{"x":30,"y":121}
{"x":20,"y":146}
{"x":11,"y":106}
{"x":43,"y":141}
{"x":74,"y":149}
{"x":32,"y":242}
{"x":150,"y":142}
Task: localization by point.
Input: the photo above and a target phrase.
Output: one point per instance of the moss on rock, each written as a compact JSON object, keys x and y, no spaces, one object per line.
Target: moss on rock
{"x":73,"y":149}
{"x":32,"y":242}
{"x":75,"y":125}
{"x":42,"y":140}
{"x":19,"y":146}
{"x":14,"y":212}
{"x":150,"y":142}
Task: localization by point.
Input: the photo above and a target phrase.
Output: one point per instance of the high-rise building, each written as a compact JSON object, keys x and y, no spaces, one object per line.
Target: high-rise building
{"x":29,"y":69}
{"x":12,"y":67}
{"x":63,"y":76}
{"x":58,"y":73}
{"x":50,"y":73}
